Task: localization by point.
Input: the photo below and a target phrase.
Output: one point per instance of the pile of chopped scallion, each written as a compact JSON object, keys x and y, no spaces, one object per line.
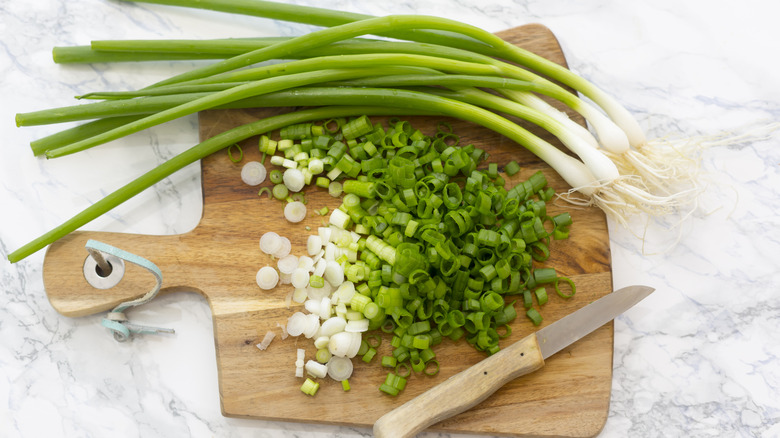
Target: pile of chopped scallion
{"x":423,"y":246}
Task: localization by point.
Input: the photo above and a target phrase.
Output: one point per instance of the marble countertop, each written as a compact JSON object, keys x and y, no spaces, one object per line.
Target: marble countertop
{"x":697,"y":358}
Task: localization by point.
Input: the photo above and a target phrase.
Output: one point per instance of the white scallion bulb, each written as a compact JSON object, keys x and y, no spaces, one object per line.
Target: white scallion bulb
{"x":267,"y":278}
{"x":253,"y":173}
{"x":295,"y":211}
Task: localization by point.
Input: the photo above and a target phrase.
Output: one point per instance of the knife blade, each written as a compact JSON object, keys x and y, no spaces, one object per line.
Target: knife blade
{"x":471,"y":386}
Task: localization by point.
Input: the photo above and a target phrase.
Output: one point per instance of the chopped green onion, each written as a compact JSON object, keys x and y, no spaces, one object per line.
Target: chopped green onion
{"x":389,"y":361}
{"x":310,"y":387}
{"x":280,"y":191}
{"x":240,"y":153}
{"x":431,"y":367}
{"x":275,"y":176}
{"x":541,"y":296}
{"x":512,"y":168}
{"x":571,"y":285}
{"x":335,"y":189}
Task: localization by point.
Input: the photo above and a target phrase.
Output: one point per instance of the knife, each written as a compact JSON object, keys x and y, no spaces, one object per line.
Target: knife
{"x":473,"y":385}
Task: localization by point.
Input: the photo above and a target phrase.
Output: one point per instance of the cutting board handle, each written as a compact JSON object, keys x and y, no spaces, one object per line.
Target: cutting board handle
{"x":69,"y":290}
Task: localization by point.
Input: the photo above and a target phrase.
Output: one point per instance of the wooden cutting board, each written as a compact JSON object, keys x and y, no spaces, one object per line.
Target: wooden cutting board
{"x":219,"y":259}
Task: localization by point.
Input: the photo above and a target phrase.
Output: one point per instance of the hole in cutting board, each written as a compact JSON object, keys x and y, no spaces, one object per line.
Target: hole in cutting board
{"x":103,"y":278}
{"x":104,"y":273}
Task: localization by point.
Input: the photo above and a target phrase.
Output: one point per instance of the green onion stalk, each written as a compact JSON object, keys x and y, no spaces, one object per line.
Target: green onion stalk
{"x":429,"y":30}
{"x":660,"y":164}
{"x":337,"y":55}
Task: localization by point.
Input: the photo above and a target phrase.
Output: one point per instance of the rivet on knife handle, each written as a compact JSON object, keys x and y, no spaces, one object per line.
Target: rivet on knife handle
{"x":461,"y":391}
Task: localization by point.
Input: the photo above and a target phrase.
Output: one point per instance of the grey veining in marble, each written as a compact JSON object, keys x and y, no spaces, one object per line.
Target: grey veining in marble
{"x":699,"y":358}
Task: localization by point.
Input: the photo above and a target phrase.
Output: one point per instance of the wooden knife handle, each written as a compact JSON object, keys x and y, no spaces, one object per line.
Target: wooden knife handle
{"x":461,"y":391}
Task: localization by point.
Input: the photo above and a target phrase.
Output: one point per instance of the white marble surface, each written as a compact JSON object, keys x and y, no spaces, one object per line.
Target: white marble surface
{"x":698,"y":358}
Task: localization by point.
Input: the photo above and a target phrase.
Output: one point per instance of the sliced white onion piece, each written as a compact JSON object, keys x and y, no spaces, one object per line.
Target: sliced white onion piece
{"x":354,"y":315}
{"x":312,"y":306}
{"x":334,"y":273}
{"x":339,"y":219}
{"x":318,"y":293}
{"x":253,"y":173}
{"x":340,"y":237}
{"x":321,"y":341}
{"x":285,"y":248}
{"x":324,"y":233}
{"x":345,"y":291}
{"x":357,"y":338}
{"x":300,"y":295}
{"x":287,"y":264}
{"x":319,"y":268}
{"x":269,"y":336}
{"x":267,"y":278}
{"x":341,"y":310}
{"x":312,"y":327}
{"x":333,"y":325}
{"x":296,"y":324}
{"x":357,"y":326}
{"x":306,"y":262}
{"x":340,"y":344}
{"x":325,"y":309}
{"x":293,"y":179}
{"x":316,"y":369}
{"x":284,"y":330}
{"x":270,"y":242}
{"x":340,"y":368}
{"x":289,"y":164}
{"x":285,"y":278}
{"x":355,"y":237}
{"x":331,"y":251}
{"x":314,"y":244}
{"x":345,"y":344}
{"x":299,"y":362}
{"x":300,"y":278}
{"x":288,"y":299}
{"x":295,"y":211}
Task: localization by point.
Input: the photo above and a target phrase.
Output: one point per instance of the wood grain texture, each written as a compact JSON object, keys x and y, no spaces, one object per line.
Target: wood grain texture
{"x":219,"y":258}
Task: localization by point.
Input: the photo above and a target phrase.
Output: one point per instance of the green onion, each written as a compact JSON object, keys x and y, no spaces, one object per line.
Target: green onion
{"x":462,"y":37}
{"x":541,"y":295}
{"x":240,"y":153}
{"x":534,"y":316}
{"x":310,"y":387}
{"x":571,"y":286}
{"x":512,"y":168}
{"x":280,"y":191}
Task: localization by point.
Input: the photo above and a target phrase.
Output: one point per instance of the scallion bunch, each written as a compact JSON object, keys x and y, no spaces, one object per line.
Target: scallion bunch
{"x":442,"y":67}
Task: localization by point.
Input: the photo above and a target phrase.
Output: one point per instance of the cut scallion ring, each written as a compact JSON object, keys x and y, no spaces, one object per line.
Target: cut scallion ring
{"x":267,"y":278}
{"x":295,"y":211}
{"x":253,"y":173}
